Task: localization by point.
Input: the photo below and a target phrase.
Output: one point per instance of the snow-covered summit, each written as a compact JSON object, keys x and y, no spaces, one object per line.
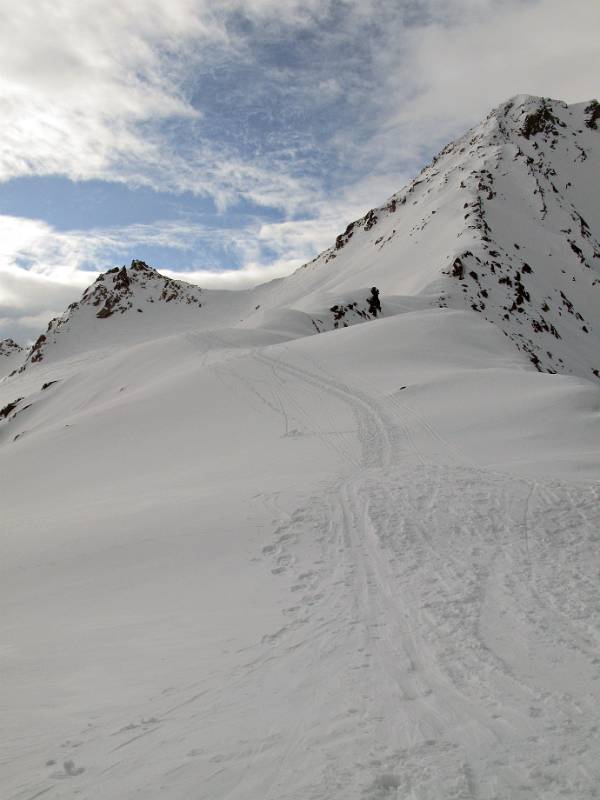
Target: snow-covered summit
{"x":505,"y":222}
{"x":118,"y":290}
{"x":111,"y":309}
{"x":9,"y":347}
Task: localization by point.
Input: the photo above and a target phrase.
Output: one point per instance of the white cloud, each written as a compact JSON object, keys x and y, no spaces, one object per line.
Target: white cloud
{"x":466,"y":57}
{"x":75,"y":77}
{"x":28,"y":301}
{"x":42,"y":270}
{"x":87,"y":87}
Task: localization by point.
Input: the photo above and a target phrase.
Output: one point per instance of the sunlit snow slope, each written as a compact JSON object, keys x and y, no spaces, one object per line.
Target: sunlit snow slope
{"x":251,"y":553}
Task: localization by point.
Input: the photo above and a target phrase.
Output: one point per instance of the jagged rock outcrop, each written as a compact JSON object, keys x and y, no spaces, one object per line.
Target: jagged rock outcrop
{"x":11,"y":355}
{"x":504,"y":222}
{"x":118,"y":292}
{"x":534,"y":269}
{"x":8,"y":348}
{"x":115,"y":291}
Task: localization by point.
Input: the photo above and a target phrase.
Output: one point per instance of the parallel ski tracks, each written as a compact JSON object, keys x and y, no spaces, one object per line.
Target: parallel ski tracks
{"x":397,"y":571}
{"x":438,"y":693}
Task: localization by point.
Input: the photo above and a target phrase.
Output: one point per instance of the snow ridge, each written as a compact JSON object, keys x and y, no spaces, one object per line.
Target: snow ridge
{"x":542,"y":287}
{"x":504,"y":222}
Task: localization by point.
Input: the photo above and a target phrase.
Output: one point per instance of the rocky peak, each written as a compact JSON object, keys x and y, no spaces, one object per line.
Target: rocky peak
{"x":8,"y":347}
{"x":120,"y":292}
{"x":504,"y":222}
{"x":534,"y":268}
{"x":11,"y":356}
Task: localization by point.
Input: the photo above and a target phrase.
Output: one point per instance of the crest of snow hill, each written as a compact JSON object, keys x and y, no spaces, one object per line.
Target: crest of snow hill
{"x":504,"y":222}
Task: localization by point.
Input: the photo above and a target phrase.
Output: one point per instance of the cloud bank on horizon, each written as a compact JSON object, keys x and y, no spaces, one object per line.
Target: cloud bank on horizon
{"x":230,"y":142}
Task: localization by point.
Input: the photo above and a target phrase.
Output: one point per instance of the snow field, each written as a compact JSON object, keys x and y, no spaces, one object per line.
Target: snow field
{"x":314,"y":584}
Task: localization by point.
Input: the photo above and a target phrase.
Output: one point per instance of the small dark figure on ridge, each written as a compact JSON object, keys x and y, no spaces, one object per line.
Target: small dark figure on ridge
{"x":373,"y":301}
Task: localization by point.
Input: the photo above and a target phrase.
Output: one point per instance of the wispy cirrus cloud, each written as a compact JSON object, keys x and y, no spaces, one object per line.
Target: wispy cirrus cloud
{"x":75,"y":78}
{"x":134,"y":93}
{"x":263,"y":100}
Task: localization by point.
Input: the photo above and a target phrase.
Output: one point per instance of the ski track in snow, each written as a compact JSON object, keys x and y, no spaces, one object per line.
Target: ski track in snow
{"x":396,"y":673}
{"x":436,"y":632}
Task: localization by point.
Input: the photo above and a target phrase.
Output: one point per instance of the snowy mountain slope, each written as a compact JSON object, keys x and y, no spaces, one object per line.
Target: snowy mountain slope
{"x":134,"y":304}
{"x":281,"y":571}
{"x":108,"y":314}
{"x":504,"y":222}
{"x":11,"y":356}
{"x":242,"y":560}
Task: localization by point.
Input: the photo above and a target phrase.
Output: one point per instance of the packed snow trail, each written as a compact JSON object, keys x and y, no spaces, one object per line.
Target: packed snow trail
{"x":430,"y":557}
{"x":439,"y":629}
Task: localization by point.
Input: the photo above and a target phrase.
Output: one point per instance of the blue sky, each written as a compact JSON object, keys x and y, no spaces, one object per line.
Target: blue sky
{"x":230,"y":142}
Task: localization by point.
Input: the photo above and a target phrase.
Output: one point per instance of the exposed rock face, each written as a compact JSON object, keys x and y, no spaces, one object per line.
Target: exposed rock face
{"x":342,"y":316}
{"x":11,"y":356}
{"x":535,"y":276}
{"x":120,"y":291}
{"x":8,"y":347}
{"x":505,"y":222}
{"x":115,"y":291}
{"x":7,"y":410}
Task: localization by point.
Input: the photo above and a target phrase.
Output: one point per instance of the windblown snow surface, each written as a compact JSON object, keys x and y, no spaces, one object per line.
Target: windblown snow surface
{"x":244,"y":560}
